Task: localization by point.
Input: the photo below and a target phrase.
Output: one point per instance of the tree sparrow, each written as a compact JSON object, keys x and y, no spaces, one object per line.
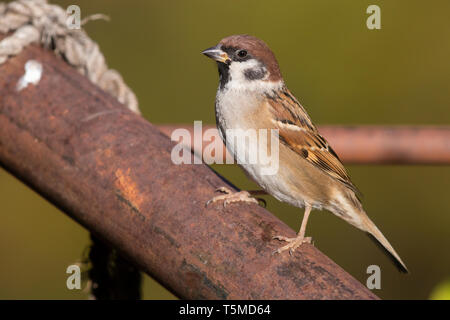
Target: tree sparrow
{"x":253,"y":95}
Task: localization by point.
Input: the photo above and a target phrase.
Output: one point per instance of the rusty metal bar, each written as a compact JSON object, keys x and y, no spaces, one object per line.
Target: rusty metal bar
{"x":111,"y":171}
{"x":370,"y":144}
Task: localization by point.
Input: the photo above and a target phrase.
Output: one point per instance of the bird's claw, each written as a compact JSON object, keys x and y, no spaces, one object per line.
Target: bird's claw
{"x":230,"y":197}
{"x":293,"y":244}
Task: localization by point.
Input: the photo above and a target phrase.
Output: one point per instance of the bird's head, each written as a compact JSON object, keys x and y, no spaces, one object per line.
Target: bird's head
{"x":245,"y":61}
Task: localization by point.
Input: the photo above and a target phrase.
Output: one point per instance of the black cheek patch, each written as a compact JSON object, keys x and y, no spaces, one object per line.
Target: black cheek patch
{"x":254,"y":74}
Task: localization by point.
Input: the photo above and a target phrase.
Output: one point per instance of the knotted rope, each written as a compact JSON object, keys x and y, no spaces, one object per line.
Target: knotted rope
{"x":36,"y":21}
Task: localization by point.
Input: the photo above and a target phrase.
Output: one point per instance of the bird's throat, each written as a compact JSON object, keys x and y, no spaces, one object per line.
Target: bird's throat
{"x":224,"y":74}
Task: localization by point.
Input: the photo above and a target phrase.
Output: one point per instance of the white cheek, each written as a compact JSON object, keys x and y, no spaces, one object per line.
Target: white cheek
{"x":239,"y":82}
{"x":237,"y":70}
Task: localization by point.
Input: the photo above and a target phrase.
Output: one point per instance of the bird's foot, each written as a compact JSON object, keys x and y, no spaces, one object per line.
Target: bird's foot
{"x":293,"y":244}
{"x":231,"y":196}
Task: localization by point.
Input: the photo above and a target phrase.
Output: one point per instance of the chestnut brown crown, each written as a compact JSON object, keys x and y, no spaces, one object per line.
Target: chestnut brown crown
{"x":257,"y":49}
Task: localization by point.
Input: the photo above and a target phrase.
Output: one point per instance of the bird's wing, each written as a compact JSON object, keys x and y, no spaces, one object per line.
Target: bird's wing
{"x":297,"y":131}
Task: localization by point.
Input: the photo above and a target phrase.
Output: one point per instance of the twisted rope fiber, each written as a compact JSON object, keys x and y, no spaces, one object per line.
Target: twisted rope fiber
{"x":36,"y":21}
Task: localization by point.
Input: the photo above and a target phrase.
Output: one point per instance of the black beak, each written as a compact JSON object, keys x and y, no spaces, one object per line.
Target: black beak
{"x":217,"y":54}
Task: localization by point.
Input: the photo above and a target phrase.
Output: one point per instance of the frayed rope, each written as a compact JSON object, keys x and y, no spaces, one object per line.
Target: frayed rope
{"x":36,"y":21}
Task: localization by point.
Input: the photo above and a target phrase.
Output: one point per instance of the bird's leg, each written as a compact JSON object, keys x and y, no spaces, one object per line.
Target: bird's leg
{"x":294,"y":243}
{"x":230,"y":196}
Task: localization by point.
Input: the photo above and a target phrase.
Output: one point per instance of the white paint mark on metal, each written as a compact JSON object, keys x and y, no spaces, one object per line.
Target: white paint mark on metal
{"x":33,"y":74}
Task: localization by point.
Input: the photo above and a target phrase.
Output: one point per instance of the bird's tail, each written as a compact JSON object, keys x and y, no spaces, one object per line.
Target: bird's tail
{"x":375,"y":234}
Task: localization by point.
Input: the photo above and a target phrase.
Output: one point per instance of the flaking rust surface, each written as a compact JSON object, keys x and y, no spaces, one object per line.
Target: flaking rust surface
{"x":111,"y":171}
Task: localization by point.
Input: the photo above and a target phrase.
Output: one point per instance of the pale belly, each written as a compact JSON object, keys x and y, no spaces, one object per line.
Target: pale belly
{"x":273,"y":174}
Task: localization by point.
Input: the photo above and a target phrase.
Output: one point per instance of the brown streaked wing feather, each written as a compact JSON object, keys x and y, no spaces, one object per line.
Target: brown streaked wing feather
{"x":298,"y":132}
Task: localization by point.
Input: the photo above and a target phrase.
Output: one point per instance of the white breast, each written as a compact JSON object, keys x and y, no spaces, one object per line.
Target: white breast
{"x":237,"y":108}
{"x":238,"y":102}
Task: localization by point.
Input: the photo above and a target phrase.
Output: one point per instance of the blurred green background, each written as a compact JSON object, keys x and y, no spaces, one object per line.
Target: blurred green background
{"x":342,"y":72}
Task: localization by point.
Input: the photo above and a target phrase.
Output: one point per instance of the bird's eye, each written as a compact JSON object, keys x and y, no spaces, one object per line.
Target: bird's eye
{"x":242,"y":53}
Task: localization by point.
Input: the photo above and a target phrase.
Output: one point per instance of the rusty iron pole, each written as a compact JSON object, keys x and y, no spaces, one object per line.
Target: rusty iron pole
{"x":428,"y":145}
{"x":111,"y":171}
